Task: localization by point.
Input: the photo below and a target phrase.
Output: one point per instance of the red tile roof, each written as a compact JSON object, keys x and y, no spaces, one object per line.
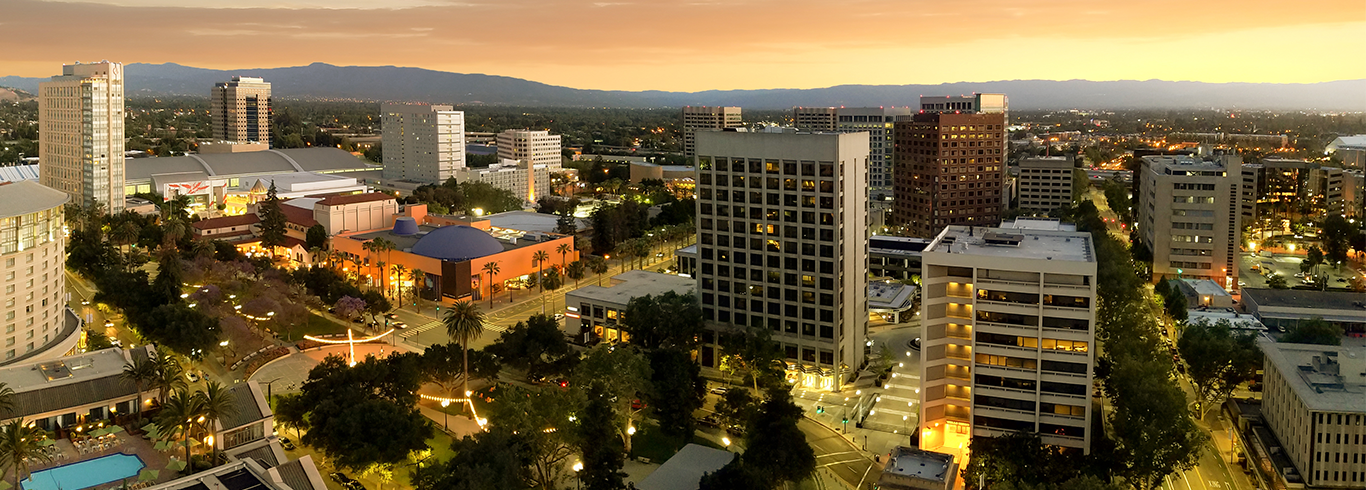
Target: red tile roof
{"x":226,"y":222}
{"x":297,"y":215}
{"x":355,"y":198}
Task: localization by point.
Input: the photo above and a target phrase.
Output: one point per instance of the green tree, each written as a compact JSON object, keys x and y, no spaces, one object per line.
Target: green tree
{"x":316,"y":237}
{"x":464,"y":322}
{"x":178,"y":417}
{"x":216,"y":403}
{"x":1151,"y":424}
{"x":486,"y":460}
{"x":1338,"y":235}
{"x":599,"y":267}
{"x":1276,"y":281}
{"x":1313,"y":331}
{"x":621,"y":374}
{"x":96,"y":340}
{"x":19,"y":445}
{"x":1019,"y":458}
{"x":775,"y":448}
{"x":547,"y":422}
{"x":141,"y":371}
{"x":7,"y":398}
{"x":737,"y":408}
{"x":444,"y":364}
{"x":291,"y":412}
{"x":272,"y":221}
{"x":169,"y":377}
{"x":604,"y":453}
{"x":551,"y":280}
{"x":491,"y":268}
{"x":669,"y":320}
{"x":366,"y":414}
{"x":538,"y":260}
{"x":676,"y":391}
{"x":751,"y":354}
{"x":1217,"y":359}
{"x":536,"y":345}
{"x":575,"y":270}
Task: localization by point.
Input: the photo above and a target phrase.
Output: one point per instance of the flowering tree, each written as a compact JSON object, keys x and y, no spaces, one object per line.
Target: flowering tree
{"x":348,"y":307}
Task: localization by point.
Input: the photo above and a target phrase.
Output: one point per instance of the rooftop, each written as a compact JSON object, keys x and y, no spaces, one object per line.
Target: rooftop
{"x":634,"y":284}
{"x":320,"y":160}
{"x":247,"y":474}
{"x":82,"y":379}
{"x":1205,"y":287}
{"x":1049,"y":224}
{"x":916,"y":463}
{"x":897,"y":245}
{"x":1237,"y":320}
{"x":355,"y":199}
{"x":530,"y":221}
{"x":1303,"y":298}
{"x":1325,"y":378}
{"x":19,"y":172}
{"x":1014,"y":243}
{"x":890,"y":295}
{"x":248,"y":405}
{"x":1182,"y":162}
{"x":685,"y":469}
{"x":26,"y":196}
{"x":226,"y":221}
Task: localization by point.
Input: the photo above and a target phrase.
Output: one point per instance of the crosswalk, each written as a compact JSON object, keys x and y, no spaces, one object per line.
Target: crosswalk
{"x":434,"y":324}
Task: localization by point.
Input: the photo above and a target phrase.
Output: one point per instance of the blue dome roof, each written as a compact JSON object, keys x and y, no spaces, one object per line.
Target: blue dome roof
{"x":457,"y":244}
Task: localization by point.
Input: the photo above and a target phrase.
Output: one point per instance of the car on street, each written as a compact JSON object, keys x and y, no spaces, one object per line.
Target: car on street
{"x":190,"y":375}
{"x":286,"y":443}
{"x":719,"y":390}
{"x":116,"y":343}
{"x":108,"y":324}
{"x":399,"y":325}
{"x":391,"y":316}
{"x":340,"y":477}
{"x":535,"y":379}
{"x":559,"y":316}
{"x":709,"y":421}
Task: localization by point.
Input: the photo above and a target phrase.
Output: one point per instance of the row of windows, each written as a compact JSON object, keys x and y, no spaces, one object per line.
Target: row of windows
{"x":1191,"y":265}
{"x":758,"y":166}
{"x":1179,"y":225}
{"x":756,"y":213}
{"x":1182,"y":186}
{"x":826,"y":202}
{"x":1031,"y":342}
{"x":1193,"y":199}
{"x":777,"y":324}
{"x":1192,"y":239}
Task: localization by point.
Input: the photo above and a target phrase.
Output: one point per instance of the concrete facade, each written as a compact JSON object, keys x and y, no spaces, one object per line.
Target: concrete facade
{"x":239,"y":110}
{"x":536,"y":147}
{"x":1009,"y":335}
{"x":1045,"y":183}
{"x":878,"y":122}
{"x":781,"y":240}
{"x":80,"y":116}
{"x":705,"y":118}
{"x":422,"y":143}
{"x":1312,"y":401}
{"x":594,"y":312}
{"x":950,"y":170}
{"x":526,"y":181}
{"x":1190,"y":216}
{"x":32,"y":259}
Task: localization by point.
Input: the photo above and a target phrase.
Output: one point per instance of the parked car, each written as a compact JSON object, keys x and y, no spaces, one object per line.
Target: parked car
{"x":286,"y":443}
{"x":559,"y":316}
{"x":709,"y":421}
{"x":719,"y":390}
{"x":535,"y":379}
{"x":340,"y":477}
{"x":190,"y":375}
{"x":116,"y":343}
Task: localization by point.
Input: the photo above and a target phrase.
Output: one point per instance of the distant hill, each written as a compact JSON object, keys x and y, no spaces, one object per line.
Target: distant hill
{"x":390,"y":83}
{"x":14,"y":95}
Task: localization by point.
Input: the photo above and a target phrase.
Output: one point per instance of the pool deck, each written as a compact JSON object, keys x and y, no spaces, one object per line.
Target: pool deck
{"x":131,"y":444}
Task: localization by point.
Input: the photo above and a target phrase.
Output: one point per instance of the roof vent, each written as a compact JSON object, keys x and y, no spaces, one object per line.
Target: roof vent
{"x":405,"y":226}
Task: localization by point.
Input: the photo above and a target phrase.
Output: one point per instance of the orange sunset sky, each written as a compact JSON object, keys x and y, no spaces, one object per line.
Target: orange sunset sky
{"x":691,"y":45}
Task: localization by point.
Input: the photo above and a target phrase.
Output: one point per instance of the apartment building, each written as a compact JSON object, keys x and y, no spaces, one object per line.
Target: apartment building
{"x":950,"y":168}
{"x":1313,"y":403}
{"x":33,"y":260}
{"x":526,"y":181}
{"x":537,"y":147}
{"x":239,"y":110}
{"x":80,"y":119}
{"x":1008,"y":334}
{"x":703,"y":118}
{"x":1190,"y":216}
{"x":1045,"y":183}
{"x":781,"y":241}
{"x":422,"y":143}
{"x":876,"y":121}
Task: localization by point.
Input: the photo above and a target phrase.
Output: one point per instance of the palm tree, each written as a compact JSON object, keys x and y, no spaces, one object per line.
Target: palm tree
{"x":564,"y":250}
{"x":140,"y":370}
{"x":419,"y":283}
{"x":575,"y":271}
{"x":125,"y":234}
{"x":215,"y":402}
{"x":169,"y":376}
{"x":400,"y":273}
{"x":538,"y":260}
{"x":178,"y":416}
{"x":6,"y":398}
{"x":465,"y":322}
{"x":599,"y":268}
{"x":18,"y":444}
{"x":491,"y":268}
{"x":315,"y":253}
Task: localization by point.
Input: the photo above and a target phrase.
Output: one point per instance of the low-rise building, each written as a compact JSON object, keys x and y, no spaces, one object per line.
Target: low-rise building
{"x":213,"y":179}
{"x":895,"y":257}
{"x":524,"y":180}
{"x":917,"y":469}
{"x":1203,"y":293}
{"x":593,"y":313}
{"x":894,"y":301}
{"x":248,"y":474}
{"x":1314,"y":402}
{"x":1282,"y":309}
{"x":75,"y":389}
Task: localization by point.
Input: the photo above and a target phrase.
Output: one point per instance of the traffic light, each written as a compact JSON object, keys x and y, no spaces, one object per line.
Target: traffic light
{"x":820,"y":409}
{"x":846,"y":419}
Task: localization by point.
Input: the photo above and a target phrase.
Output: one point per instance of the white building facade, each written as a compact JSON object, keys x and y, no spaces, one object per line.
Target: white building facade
{"x":1190,"y":216}
{"x":32,"y":259}
{"x":80,"y":116}
{"x":422,"y":143}
{"x":1008,"y":335}
{"x":878,"y":122}
{"x":1045,"y":183}
{"x":781,"y":227}
{"x":696,"y":118}
{"x":537,"y":147}
{"x":526,"y":181}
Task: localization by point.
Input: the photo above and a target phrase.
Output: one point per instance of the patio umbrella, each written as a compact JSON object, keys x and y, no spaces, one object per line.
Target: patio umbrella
{"x":175,"y":465}
{"x":148,"y":475}
{"x":150,"y":427}
{"x":46,"y":443}
{"x":99,"y":432}
{"x":161,"y":446}
{"x":194,"y":443}
{"x":115,"y":429}
{"x":4,"y":485}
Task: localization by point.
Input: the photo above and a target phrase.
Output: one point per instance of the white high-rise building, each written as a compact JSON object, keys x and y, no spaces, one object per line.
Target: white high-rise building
{"x":781,"y":240}
{"x":422,"y":143}
{"x":535,"y":147}
{"x":1045,"y":183}
{"x":80,"y":119}
{"x":877,"y":121}
{"x":1190,"y":215}
{"x":705,"y":118}
{"x":239,"y":110}
{"x":33,"y":259}
{"x":1008,"y":340}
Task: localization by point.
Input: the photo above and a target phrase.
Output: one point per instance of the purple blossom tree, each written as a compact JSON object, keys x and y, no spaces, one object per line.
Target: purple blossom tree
{"x":349,"y":308}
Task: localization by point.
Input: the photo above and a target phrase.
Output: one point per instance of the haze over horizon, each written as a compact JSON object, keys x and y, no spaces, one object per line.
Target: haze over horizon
{"x":711,"y":44}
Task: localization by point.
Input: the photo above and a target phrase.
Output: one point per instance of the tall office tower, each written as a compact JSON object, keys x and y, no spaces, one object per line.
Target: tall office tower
{"x":1045,"y":183}
{"x":1009,"y":331}
{"x":1191,"y":216}
{"x":949,"y":163}
{"x":704,"y":118}
{"x":781,"y":239}
{"x":80,"y":120}
{"x":422,"y":143}
{"x":877,"y":121}
{"x":239,"y":110}
{"x":33,"y":248}
{"x":534,"y":147}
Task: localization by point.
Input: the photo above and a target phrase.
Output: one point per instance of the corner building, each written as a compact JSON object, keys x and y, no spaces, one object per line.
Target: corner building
{"x":949,"y":170}
{"x":422,"y":143}
{"x":1008,"y":334}
{"x":781,"y":224}
{"x":1190,"y":214}
{"x":239,"y":110}
{"x":33,"y":261}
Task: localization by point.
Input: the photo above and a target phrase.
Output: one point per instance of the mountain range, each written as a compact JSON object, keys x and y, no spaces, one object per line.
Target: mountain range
{"x":402,"y":84}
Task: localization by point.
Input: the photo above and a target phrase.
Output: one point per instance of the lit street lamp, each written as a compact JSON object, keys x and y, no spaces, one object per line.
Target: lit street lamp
{"x":446,"y":423}
{"x":578,"y":466}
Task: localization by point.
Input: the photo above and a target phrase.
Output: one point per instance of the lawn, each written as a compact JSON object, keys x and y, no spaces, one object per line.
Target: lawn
{"x":317,"y":325}
{"x":650,"y":443}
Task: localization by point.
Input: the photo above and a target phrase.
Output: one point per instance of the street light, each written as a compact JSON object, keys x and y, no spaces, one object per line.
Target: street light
{"x":446,"y":422}
{"x":578,"y":466}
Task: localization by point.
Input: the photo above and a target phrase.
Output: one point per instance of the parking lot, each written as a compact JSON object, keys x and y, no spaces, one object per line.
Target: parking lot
{"x":1287,"y":266}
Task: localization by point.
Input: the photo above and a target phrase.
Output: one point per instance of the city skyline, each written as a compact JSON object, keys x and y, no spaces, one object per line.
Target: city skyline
{"x":617,"y":46}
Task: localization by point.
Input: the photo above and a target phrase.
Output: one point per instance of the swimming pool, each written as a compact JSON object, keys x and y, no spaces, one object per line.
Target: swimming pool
{"x":85,"y":474}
